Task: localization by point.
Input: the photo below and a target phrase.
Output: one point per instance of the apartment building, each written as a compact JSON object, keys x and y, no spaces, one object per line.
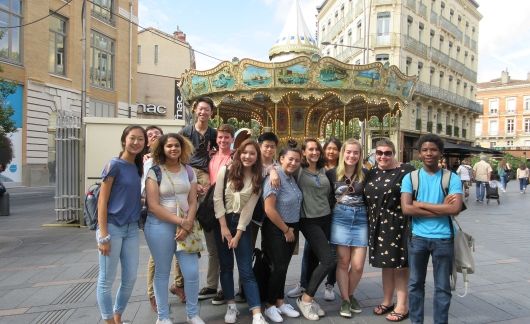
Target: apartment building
{"x":161,"y":60}
{"x":433,"y":39}
{"x":44,"y":57}
{"x":505,"y":120}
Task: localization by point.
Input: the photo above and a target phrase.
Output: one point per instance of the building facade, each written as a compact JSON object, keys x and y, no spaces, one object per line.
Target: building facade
{"x":161,"y":60}
{"x":435,"y":40}
{"x":44,"y":57}
{"x":505,"y":120}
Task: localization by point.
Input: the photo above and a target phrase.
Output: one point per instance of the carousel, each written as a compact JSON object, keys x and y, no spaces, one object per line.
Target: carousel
{"x":299,"y":94}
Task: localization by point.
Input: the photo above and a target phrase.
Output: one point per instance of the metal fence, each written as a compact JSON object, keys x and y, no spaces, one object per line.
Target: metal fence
{"x":67,"y":169}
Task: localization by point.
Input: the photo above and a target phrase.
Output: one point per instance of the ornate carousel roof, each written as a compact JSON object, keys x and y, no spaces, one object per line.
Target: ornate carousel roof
{"x":299,"y":96}
{"x":295,"y":38}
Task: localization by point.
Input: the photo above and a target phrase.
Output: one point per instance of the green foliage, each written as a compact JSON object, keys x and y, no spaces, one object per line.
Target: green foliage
{"x":416,"y":164}
{"x":7,"y":125}
{"x":6,"y":150}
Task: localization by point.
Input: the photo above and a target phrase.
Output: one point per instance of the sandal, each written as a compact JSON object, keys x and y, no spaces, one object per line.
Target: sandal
{"x":383,"y":309}
{"x":398,"y":316}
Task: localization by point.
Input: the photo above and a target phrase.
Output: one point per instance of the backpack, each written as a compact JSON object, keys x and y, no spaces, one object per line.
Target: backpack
{"x":464,"y":243}
{"x":206,"y":210}
{"x":90,"y":211}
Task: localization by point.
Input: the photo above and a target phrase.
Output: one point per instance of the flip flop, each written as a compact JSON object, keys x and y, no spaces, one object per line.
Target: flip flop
{"x":383,"y":309}
{"x":399,"y":316}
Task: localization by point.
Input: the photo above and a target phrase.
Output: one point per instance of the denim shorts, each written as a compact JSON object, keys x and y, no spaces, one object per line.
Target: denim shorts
{"x":349,"y":226}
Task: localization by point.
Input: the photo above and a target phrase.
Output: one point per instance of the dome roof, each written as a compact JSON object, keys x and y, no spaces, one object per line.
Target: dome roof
{"x":295,"y":38}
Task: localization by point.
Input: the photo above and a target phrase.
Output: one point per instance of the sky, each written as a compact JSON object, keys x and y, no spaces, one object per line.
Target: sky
{"x":248,"y":29}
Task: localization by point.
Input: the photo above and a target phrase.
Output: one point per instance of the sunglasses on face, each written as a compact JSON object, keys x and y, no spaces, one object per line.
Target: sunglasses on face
{"x":385,"y":153}
{"x":350,"y":184}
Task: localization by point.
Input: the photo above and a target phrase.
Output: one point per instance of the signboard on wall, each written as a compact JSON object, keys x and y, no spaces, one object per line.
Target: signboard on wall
{"x":179,"y":103}
{"x":13,"y":172}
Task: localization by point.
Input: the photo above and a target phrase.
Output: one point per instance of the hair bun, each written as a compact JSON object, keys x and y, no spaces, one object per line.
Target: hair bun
{"x":292,"y":143}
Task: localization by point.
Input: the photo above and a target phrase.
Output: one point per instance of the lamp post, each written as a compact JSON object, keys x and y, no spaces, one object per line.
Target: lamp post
{"x":325,"y":43}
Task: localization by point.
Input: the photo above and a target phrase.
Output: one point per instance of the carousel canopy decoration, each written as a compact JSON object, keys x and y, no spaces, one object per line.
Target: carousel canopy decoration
{"x":299,"y":96}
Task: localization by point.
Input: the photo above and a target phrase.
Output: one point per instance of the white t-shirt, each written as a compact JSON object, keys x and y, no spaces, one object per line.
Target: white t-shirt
{"x":464,"y":171}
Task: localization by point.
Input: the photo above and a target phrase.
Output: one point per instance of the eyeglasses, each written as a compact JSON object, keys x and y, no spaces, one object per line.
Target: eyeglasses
{"x":385,"y":153}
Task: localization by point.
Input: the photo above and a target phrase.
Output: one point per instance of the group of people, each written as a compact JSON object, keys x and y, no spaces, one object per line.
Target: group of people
{"x":343,"y":210}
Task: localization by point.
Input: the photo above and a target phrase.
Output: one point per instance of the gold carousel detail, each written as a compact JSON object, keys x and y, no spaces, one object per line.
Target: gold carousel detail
{"x":299,"y":97}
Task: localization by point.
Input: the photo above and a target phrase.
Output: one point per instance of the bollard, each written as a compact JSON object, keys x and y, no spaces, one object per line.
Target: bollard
{"x":4,"y":204}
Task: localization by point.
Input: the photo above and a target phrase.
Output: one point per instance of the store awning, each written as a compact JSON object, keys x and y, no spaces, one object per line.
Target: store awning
{"x":462,"y":149}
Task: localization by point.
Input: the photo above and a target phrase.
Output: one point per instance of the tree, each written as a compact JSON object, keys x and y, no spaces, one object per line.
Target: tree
{"x":6,"y":150}
{"x":7,"y":125}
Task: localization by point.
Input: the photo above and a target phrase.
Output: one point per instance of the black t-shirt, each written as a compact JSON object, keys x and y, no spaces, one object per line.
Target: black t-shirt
{"x":203,"y":144}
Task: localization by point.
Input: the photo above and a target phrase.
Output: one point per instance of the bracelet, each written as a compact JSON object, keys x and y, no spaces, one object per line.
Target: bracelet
{"x":104,"y":240}
{"x":287,"y":231}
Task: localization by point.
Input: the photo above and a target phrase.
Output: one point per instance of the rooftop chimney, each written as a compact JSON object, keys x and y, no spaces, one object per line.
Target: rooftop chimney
{"x":505,"y":77}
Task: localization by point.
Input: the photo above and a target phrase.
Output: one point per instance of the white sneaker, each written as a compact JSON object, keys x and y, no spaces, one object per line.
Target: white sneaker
{"x":195,"y":320}
{"x":258,"y":319}
{"x":231,"y":313}
{"x":296,"y":291}
{"x":307,"y":310}
{"x":274,"y":314}
{"x":164,"y":321}
{"x":329,"y":294}
{"x":288,"y":310}
{"x":320,"y":311}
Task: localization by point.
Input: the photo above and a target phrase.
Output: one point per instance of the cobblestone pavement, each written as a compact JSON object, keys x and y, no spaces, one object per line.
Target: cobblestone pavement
{"x":48,"y":274}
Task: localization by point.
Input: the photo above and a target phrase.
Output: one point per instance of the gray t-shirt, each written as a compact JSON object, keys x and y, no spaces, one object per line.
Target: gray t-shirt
{"x":171,"y":195}
{"x":315,"y":189}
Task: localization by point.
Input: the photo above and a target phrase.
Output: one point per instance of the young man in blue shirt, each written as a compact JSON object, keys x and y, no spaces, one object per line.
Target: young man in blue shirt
{"x":432,"y":232}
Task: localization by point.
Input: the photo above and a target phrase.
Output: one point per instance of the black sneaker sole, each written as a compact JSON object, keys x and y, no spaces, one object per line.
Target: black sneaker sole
{"x":218,"y":302}
{"x":203,"y":297}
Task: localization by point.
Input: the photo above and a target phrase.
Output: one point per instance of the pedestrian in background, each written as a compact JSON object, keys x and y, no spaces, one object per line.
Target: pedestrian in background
{"x":119,"y":207}
{"x":503,"y":172}
{"x":172,"y":210}
{"x":349,"y":224}
{"x":522,"y":175}
{"x":482,"y":174}
{"x":465,"y":172}
{"x":388,"y":231}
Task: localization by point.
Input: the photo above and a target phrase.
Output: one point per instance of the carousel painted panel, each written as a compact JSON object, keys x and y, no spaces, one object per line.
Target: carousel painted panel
{"x":282,"y":121}
{"x":367,"y":79}
{"x":297,"y":74}
{"x":333,"y":76}
{"x":256,"y":77}
{"x":200,"y":85}
{"x":297,"y":120}
{"x":223,"y":80}
{"x":397,"y":86}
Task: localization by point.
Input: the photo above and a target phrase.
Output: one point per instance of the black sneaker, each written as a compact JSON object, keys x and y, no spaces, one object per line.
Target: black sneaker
{"x":206,"y":293}
{"x":219,"y":298}
{"x":240,"y":298}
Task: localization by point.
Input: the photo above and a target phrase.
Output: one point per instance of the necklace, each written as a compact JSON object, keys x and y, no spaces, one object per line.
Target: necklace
{"x":173,"y":186}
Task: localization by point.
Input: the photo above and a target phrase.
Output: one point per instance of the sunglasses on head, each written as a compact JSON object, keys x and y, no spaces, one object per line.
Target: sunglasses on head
{"x":385,"y":153}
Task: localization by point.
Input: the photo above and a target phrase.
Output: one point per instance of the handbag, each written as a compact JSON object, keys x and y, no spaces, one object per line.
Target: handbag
{"x":193,"y":241}
{"x":463,"y":262}
{"x":206,"y":210}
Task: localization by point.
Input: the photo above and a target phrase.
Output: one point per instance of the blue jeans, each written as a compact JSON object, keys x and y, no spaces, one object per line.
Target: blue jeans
{"x":243,"y":253}
{"x":124,"y":248}
{"x":481,"y":190}
{"x":523,"y":182}
{"x":160,"y":237}
{"x":442,"y":250}
{"x":504,"y":181}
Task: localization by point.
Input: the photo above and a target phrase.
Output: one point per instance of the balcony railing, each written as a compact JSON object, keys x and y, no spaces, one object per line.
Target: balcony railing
{"x":443,"y":95}
{"x":418,"y":124}
{"x":457,"y":131}
{"x":423,"y":11}
{"x":415,"y":46}
{"x":439,"y":57}
{"x":411,"y":4}
{"x":383,"y":2}
{"x":390,"y":39}
{"x":451,"y":28}
{"x":467,"y":40}
{"x":429,"y":126}
{"x":434,"y":18}
{"x":449,"y":130}
{"x":464,"y":133}
{"x":439,"y":128}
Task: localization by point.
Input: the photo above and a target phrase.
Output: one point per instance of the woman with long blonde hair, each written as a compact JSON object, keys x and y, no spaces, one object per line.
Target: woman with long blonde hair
{"x":349,"y":225}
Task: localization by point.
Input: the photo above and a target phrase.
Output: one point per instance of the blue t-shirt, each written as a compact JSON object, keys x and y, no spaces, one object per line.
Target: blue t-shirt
{"x":125,"y":195}
{"x":288,"y":197}
{"x":430,"y":191}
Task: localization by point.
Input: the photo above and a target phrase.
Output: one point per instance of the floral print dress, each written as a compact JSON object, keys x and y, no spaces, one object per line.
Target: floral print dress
{"x":388,"y":227}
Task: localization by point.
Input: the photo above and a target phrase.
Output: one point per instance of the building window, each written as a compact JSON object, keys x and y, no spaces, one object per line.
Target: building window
{"x":494,"y":106}
{"x":102,"y":61}
{"x":156,"y":54}
{"x":493,"y":144}
{"x":526,"y":125}
{"x":139,"y":58}
{"x":57,"y":52}
{"x":478,"y":127}
{"x":526,"y":103}
{"x":101,"y":109}
{"x":493,"y":127}
{"x":383,"y":27}
{"x":10,"y":15}
{"x":509,"y":143}
{"x":510,"y":126}
{"x":510,"y":105}
{"x":382,"y":58}
{"x":102,"y":9}
{"x":359,"y":30}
